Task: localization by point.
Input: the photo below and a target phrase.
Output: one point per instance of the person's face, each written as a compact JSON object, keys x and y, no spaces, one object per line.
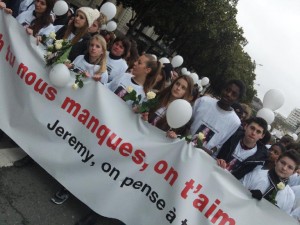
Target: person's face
{"x":94,"y":28}
{"x":118,"y":48}
{"x":285,"y":167}
{"x":95,"y":48}
{"x":79,"y":20}
{"x":230,"y":94}
{"x":253,"y":133}
{"x":140,"y":66}
{"x":274,"y":153}
{"x":40,"y":6}
{"x":179,"y":88}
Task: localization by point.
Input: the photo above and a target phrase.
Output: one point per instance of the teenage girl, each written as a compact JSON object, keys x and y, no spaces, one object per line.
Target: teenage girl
{"x":181,"y":88}
{"x":37,"y":21}
{"x":77,"y":31}
{"x":94,"y":62}
{"x":142,"y":79}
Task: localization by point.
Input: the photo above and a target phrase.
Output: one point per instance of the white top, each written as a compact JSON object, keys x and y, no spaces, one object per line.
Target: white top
{"x":221,"y":124}
{"x":115,"y":67}
{"x":82,"y":65}
{"x":258,"y":180}
{"x":120,"y":84}
{"x":26,"y":5}
{"x":294,"y":180}
{"x":239,"y":155}
{"x":25,"y":19}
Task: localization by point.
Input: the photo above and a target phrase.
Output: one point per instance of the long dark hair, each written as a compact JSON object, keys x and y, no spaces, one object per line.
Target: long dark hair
{"x":164,"y":96}
{"x":43,"y":20}
{"x":79,"y":33}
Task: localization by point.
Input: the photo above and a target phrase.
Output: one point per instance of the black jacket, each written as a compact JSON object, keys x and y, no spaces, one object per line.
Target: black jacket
{"x":80,"y":48}
{"x":248,"y":164}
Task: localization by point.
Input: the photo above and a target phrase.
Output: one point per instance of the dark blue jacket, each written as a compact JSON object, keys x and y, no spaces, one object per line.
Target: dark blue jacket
{"x":248,"y":164}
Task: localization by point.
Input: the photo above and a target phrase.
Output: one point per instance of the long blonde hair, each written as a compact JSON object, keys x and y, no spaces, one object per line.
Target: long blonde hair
{"x":102,"y":59}
{"x":155,"y":67}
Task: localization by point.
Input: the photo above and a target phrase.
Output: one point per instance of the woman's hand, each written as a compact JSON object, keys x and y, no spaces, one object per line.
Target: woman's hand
{"x":69,"y":65}
{"x":171,"y":134}
{"x":29,"y":31}
{"x":221,"y":163}
{"x":145,"y":116}
{"x":38,"y":39}
{"x":2,"y":5}
{"x":8,"y":11}
{"x":97,"y":77}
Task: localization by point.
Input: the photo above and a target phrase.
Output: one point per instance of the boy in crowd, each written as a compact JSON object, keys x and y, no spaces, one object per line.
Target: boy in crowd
{"x":243,"y":151}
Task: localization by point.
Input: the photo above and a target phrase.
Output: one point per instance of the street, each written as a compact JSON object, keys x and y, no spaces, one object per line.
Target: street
{"x":25,"y":194}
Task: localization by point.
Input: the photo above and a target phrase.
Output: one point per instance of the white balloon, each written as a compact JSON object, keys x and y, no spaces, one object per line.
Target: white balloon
{"x":164,"y":60}
{"x":177,"y":61}
{"x":109,"y":10}
{"x":269,"y":127}
{"x":273,"y":99}
{"x":60,"y":8}
{"x":178,"y":113}
{"x":184,"y":70}
{"x":266,"y":114}
{"x":154,"y":56}
{"x":295,"y":136}
{"x":103,"y":27}
{"x":59,"y":75}
{"x":200,"y":88}
{"x":204,"y":81}
{"x":188,"y":73}
{"x":195,"y":77}
{"x":111,"y":26}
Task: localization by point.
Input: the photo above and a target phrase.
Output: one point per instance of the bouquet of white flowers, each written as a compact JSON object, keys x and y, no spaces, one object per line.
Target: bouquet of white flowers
{"x":58,"y":51}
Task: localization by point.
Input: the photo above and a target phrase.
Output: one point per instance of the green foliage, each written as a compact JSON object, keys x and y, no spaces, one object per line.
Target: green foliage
{"x":203,"y":31}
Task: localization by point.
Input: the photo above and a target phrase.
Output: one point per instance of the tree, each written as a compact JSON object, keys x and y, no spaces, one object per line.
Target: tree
{"x":203,"y":31}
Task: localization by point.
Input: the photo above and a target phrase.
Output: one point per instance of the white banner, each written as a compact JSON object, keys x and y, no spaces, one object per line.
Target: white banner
{"x":117,"y":164}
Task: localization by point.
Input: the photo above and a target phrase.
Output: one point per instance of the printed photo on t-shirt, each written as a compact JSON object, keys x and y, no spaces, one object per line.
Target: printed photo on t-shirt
{"x":208,"y":133}
{"x":160,"y":113}
{"x":121,"y":92}
{"x":25,"y":24}
{"x":108,"y":68}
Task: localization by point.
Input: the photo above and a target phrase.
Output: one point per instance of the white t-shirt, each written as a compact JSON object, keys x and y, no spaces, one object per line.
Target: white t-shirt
{"x":239,"y":155}
{"x":258,"y":180}
{"x":217,"y":123}
{"x":120,"y":84}
{"x":115,"y":67}
{"x":25,"y":19}
{"x":82,"y":65}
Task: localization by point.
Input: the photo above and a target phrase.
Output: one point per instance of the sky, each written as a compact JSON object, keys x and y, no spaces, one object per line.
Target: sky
{"x":272,"y":28}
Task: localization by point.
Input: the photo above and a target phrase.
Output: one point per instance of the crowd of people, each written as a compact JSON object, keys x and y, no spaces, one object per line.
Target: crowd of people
{"x":240,"y":143}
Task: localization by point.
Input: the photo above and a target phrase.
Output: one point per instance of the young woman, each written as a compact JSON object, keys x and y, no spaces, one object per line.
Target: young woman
{"x":77,"y":31}
{"x":37,"y":21}
{"x":181,"y":88}
{"x":96,"y":26}
{"x":116,"y":64}
{"x":94,"y":62}
{"x":273,"y":184}
{"x":144,"y":73}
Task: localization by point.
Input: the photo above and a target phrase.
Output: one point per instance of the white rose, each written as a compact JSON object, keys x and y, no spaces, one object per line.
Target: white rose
{"x":52,"y":35}
{"x":129,"y":89}
{"x":150,"y":95}
{"x":201,"y":136}
{"x":49,"y":53}
{"x":58,"y":46}
{"x":75,"y":86}
{"x":280,"y":186}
